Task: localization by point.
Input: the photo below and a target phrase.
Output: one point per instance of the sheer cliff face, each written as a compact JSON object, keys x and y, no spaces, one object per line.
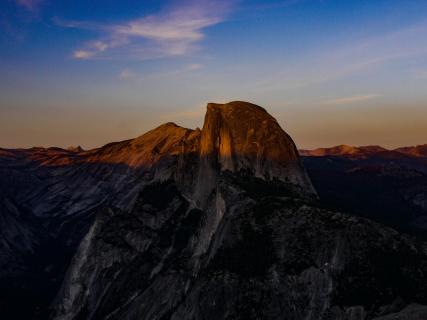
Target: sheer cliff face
{"x":242,"y":137}
{"x":269,"y":257}
{"x":236,"y":137}
{"x":222,"y":223}
{"x":61,"y":190}
{"x":245,"y":136}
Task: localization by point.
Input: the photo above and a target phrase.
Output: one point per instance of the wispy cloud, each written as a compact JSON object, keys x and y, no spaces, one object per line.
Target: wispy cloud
{"x":352,"y":99}
{"x":194,"y":66}
{"x":82,"y":54}
{"x":345,"y":60}
{"x":127,"y":74}
{"x":175,"y":31}
{"x":420,"y":74}
{"x":30,"y":5}
{"x":263,"y":6}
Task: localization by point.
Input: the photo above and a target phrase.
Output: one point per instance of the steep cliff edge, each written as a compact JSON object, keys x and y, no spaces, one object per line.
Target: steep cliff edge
{"x":241,"y":137}
{"x":60,"y":191}
{"x":224,"y":224}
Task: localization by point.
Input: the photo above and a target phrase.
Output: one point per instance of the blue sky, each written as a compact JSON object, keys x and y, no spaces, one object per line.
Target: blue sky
{"x":331,"y":72}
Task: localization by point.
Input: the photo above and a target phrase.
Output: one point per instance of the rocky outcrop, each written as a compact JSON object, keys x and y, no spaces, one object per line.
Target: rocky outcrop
{"x":75,"y":149}
{"x":63,"y":189}
{"x":225,"y":225}
{"x":237,"y":137}
{"x":268,"y":256}
{"x":243,"y":138}
{"x":217,"y":223}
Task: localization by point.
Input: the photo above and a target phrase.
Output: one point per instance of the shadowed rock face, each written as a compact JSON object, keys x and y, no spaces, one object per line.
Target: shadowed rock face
{"x":239,"y":136}
{"x":236,"y":137}
{"x":59,"y":191}
{"x":225,"y":225}
{"x":389,"y":186}
{"x":266,"y":255}
{"x":218,"y":223}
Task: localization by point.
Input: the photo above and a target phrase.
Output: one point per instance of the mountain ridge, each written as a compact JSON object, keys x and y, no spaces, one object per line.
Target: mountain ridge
{"x":347,"y":150}
{"x":221,"y":222}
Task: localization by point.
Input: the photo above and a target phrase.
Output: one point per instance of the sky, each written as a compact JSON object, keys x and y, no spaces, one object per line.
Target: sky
{"x":330,"y":71}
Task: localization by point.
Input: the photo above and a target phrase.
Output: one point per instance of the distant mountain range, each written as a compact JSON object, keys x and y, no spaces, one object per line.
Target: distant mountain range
{"x":224,"y":222}
{"x":345,"y":150}
{"x":389,"y":186}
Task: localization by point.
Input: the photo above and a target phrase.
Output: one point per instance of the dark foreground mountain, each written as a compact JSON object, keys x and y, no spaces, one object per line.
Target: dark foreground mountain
{"x":218,"y":223}
{"x":389,"y":186}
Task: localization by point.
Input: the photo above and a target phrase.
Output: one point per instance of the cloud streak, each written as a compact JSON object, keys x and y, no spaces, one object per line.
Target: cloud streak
{"x":133,"y":76}
{"x":175,"y":31}
{"x":352,"y":99}
{"x":127,"y":74}
{"x":345,"y":60}
{"x":30,"y":5}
